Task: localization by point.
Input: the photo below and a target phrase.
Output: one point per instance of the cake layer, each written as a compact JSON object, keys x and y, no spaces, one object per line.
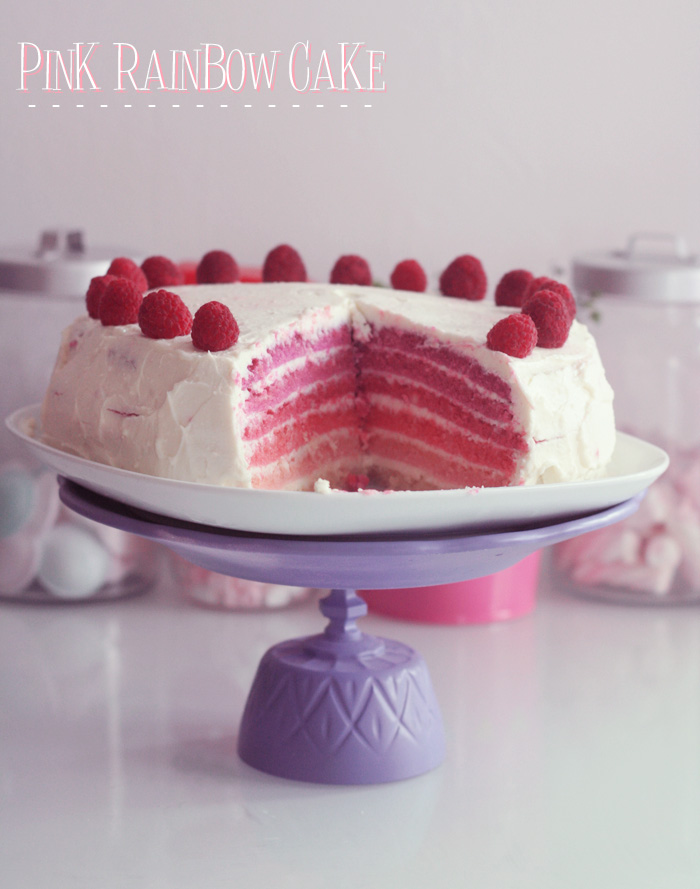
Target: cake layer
{"x":419,"y":369}
{"x":329,"y":458}
{"x":458,"y":410}
{"x":339,"y":418}
{"x":312,"y":398}
{"x":396,"y":344}
{"x":414,"y":466}
{"x":296,"y":347}
{"x":305,"y":374}
{"x":442,"y":439}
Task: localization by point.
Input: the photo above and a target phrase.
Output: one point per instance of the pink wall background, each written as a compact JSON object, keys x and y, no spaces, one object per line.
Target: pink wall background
{"x":521,"y":132}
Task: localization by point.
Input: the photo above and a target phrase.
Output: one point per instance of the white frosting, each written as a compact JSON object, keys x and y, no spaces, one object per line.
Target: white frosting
{"x":163,"y":408}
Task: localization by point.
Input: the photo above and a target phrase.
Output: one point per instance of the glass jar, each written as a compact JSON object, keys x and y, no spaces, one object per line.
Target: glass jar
{"x":642,"y":304}
{"x":219,"y":591}
{"x":48,"y":553}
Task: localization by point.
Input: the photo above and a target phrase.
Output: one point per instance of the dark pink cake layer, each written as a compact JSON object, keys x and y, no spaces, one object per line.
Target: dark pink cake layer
{"x":325,"y":392}
{"x":458,"y":362}
{"x":338,"y":364}
{"x":419,"y":369}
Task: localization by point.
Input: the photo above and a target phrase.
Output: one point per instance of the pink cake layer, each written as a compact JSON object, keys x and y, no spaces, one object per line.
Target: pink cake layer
{"x":296,"y":346}
{"x":456,"y":411}
{"x":462,"y":365}
{"x":317,"y":371}
{"x":303,"y":430}
{"x":306,"y":416}
{"x":419,"y":368}
{"x":320,"y":458}
{"x":437,"y":410}
{"x":323,"y":393}
{"x":442,"y":442}
{"x":417,"y":466}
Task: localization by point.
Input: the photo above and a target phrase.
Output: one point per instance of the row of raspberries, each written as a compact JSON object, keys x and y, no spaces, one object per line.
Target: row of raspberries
{"x":547,"y":307}
{"x":547,"y":311}
{"x":118,"y":298}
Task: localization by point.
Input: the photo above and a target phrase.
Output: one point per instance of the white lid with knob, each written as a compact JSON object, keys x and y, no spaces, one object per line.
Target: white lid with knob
{"x":62,"y":265}
{"x":652,"y":267}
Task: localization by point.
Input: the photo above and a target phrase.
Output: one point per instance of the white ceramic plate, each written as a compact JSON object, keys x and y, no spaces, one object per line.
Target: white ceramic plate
{"x":635,"y":465}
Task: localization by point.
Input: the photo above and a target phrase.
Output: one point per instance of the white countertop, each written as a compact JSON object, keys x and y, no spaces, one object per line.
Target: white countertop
{"x":573,"y":755}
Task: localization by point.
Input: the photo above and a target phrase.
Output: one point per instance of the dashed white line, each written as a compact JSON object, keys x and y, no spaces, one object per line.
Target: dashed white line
{"x":270,"y":105}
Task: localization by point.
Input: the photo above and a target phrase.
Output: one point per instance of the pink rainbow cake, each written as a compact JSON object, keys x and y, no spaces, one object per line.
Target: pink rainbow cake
{"x":329,"y":383}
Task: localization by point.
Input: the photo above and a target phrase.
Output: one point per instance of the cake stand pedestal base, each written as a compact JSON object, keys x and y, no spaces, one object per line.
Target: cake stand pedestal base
{"x":342,"y":707}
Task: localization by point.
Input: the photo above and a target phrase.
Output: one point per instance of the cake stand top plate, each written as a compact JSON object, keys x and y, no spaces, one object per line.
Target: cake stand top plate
{"x":634,"y":466}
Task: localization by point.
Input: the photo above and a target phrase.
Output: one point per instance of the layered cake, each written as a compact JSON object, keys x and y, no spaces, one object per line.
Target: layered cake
{"x":333,"y":385}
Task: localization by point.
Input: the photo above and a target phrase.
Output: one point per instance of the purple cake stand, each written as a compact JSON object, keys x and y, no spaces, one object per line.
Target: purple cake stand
{"x":341,"y":707}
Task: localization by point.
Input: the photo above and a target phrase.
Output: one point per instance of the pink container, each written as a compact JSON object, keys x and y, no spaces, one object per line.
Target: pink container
{"x":502,"y":596}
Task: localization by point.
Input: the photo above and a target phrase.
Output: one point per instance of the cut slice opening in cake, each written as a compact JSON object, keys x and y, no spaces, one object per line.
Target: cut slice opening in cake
{"x":434,"y":418}
{"x":395,"y":407}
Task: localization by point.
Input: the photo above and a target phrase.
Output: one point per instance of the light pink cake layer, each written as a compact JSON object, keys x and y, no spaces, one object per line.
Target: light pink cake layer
{"x":315,"y":371}
{"x":321,"y":458}
{"x":436,"y":409}
{"x":296,"y":346}
{"x":292,"y":436}
{"x":305,"y":415}
{"x":421,"y":464}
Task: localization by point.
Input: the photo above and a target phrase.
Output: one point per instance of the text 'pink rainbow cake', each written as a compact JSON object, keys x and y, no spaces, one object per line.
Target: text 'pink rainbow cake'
{"x":328,"y":382}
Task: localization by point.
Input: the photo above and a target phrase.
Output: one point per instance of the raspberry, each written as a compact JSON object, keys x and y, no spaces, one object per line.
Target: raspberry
{"x":127,"y":268}
{"x":161,"y":272}
{"x":163,"y":315}
{"x":120,"y":303}
{"x":351,"y":269}
{"x":94,"y":294}
{"x":515,"y":335}
{"x":537,"y":284}
{"x":409,"y":275}
{"x":283,"y":264}
{"x":513,"y":287}
{"x":545,"y":283}
{"x":214,"y":328}
{"x":464,"y":278}
{"x":551,"y":316}
{"x":217,"y":267}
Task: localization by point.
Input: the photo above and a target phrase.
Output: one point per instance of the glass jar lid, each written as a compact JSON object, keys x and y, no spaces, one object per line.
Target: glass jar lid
{"x":62,"y":265}
{"x":652,"y":267}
